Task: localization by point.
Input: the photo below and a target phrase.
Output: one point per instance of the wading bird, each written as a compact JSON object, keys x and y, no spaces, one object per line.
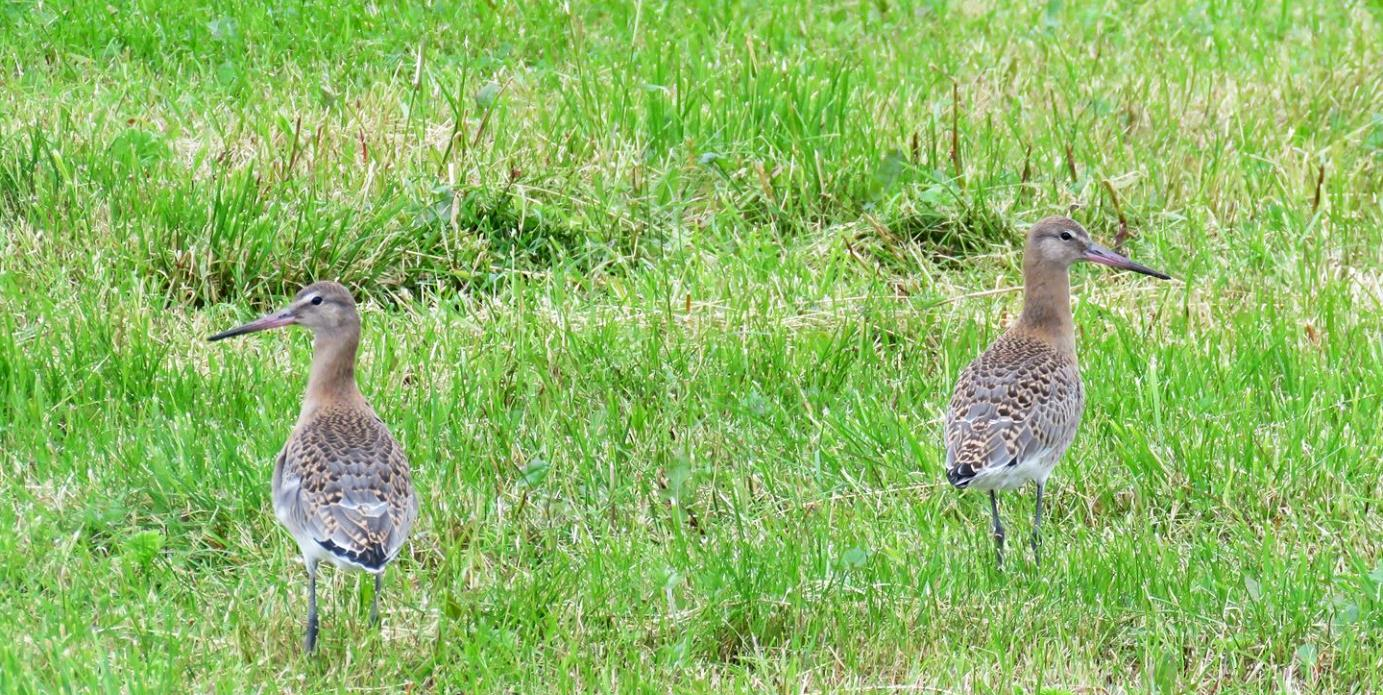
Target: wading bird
{"x":1016,"y":407}
{"x":341,"y":485}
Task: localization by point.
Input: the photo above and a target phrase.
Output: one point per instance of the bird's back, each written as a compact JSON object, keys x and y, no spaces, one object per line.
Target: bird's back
{"x":343,"y":488}
{"x":1014,"y":411}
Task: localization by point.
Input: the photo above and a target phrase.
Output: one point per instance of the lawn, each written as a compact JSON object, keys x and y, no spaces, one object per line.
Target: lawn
{"x":665,"y":302}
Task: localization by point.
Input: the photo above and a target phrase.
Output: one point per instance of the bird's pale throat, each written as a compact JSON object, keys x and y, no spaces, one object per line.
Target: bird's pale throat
{"x":333,"y":365}
{"x":1047,"y":303}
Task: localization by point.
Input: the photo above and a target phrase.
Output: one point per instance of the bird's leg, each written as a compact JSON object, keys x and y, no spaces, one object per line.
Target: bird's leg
{"x":374,"y":603}
{"x":310,"y":640}
{"x":998,"y":527}
{"x":1036,"y":529}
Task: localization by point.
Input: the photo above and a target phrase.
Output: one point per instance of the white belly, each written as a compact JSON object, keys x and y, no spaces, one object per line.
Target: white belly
{"x":1028,"y":470}
{"x":314,"y":553}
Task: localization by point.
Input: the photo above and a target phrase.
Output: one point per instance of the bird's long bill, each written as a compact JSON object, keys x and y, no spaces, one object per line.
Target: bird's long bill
{"x":264,"y":323}
{"x":1103,"y":256}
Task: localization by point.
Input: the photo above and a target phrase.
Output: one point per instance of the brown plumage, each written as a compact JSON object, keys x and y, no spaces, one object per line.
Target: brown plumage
{"x":343,"y":482}
{"x":341,"y":485}
{"x":1019,"y":403}
{"x":1016,"y":408}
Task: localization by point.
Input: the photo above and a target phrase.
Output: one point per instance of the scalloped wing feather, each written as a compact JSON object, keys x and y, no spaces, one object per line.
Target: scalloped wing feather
{"x":343,"y":484}
{"x":1016,"y":406}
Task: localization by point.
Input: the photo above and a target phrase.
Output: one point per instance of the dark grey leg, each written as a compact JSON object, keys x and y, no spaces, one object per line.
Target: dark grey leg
{"x":1036,"y":529}
{"x":998,"y":527}
{"x":310,"y":640}
{"x":374,"y":603}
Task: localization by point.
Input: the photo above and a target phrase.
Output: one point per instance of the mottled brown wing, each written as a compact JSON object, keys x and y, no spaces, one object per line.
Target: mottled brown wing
{"x":344,"y":483}
{"x":1021,"y":399}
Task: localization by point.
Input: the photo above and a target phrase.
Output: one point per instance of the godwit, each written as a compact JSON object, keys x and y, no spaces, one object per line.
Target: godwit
{"x":1016,"y":407}
{"x":341,"y":484}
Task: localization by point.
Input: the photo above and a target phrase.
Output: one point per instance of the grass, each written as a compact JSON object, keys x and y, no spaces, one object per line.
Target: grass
{"x":665,"y":302}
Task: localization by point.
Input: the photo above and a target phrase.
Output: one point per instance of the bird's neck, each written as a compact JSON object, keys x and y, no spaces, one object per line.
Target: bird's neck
{"x":333,"y":368}
{"x":1047,"y":305}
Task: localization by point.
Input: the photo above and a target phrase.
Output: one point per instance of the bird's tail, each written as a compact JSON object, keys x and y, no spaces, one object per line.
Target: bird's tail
{"x":960,"y":475}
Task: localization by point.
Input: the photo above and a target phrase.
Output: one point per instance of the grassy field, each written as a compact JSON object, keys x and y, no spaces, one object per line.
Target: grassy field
{"x":665,"y":302}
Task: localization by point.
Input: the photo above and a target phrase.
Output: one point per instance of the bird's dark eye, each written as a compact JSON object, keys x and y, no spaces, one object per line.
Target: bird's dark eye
{"x":316,"y":301}
{"x":1065,"y":236}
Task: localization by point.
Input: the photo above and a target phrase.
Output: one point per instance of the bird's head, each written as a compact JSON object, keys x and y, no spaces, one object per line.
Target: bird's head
{"x":1058,"y":242}
{"x":323,"y":307}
